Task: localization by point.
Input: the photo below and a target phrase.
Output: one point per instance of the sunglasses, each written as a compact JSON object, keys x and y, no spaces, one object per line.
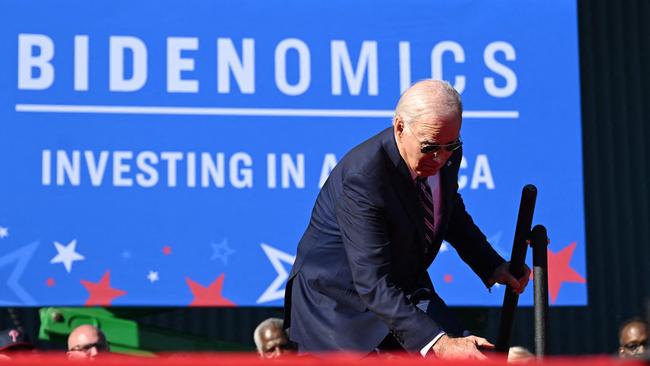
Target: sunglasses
{"x":87,"y":347}
{"x":435,"y":148}
{"x":427,"y":148}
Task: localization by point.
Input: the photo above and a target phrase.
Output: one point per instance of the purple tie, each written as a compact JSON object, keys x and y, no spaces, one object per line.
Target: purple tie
{"x":424,"y":191}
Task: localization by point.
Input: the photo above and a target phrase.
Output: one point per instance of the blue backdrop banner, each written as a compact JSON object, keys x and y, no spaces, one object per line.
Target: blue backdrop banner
{"x":170,"y":152}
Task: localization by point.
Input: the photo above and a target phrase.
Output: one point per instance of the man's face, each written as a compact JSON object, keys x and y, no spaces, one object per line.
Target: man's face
{"x":413,"y":137}
{"x":634,"y":340}
{"x":274,"y":342}
{"x":85,"y":344}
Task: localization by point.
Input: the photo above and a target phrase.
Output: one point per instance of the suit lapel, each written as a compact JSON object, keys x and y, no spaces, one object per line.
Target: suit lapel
{"x":404,"y":186}
{"x":408,"y":195}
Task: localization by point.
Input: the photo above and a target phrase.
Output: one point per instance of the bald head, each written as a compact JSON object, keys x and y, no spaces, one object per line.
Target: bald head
{"x":428,"y":99}
{"x":633,"y":339}
{"x":86,"y":341}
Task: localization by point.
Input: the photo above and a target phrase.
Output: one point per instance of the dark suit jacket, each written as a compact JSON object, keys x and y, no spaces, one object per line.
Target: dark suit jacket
{"x":363,"y":254}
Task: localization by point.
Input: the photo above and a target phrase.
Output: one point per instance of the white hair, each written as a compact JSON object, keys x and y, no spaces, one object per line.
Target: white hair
{"x":428,"y":98}
{"x":257,"y":334}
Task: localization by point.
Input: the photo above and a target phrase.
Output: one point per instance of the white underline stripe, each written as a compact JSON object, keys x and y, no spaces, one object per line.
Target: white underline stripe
{"x":211,"y":111}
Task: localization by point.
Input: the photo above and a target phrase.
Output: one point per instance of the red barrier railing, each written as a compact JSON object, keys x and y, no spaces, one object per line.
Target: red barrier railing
{"x":221,"y":359}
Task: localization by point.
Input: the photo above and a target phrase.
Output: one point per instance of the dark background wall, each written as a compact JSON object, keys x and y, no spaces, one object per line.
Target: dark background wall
{"x":615,"y":88}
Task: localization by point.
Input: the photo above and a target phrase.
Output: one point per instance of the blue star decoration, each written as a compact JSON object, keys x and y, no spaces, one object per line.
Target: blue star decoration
{"x":495,"y":241}
{"x":21,"y":258}
{"x":221,"y":251}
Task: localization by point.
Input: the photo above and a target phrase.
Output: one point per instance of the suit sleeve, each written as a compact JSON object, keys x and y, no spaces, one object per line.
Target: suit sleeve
{"x":362,"y":221}
{"x":471,"y":244}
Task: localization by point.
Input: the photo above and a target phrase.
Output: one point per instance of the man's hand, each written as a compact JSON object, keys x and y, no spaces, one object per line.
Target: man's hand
{"x":460,"y":348}
{"x":503,"y":276}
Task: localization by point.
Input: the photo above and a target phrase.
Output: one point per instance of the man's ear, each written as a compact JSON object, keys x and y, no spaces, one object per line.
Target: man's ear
{"x":398,"y":126}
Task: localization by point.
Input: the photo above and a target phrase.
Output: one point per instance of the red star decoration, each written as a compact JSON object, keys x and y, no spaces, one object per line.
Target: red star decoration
{"x":167,"y":250}
{"x":448,"y":278}
{"x":208,"y":296}
{"x":559,"y":270}
{"x":101,"y":293}
{"x":50,"y":282}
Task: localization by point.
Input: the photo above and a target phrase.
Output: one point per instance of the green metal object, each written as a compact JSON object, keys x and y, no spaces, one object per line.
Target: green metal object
{"x":124,"y":336}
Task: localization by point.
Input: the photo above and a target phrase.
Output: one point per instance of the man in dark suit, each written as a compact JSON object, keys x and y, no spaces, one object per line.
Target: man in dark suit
{"x":360,"y":281}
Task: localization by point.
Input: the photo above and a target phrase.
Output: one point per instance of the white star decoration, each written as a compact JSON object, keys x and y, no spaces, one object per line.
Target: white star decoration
{"x":153,"y":276}
{"x":66,"y":254}
{"x":4,"y":232}
{"x":495,"y":239}
{"x":275,"y":291}
{"x":444,"y":247}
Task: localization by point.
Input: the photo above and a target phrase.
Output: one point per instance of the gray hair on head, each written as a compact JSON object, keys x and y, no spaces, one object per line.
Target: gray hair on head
{"x":257,"y":334}
{"x":428,"y":98}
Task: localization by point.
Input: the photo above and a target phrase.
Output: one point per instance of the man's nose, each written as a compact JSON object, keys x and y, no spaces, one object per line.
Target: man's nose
{"x":93,"y":352}
{"x":441,"y":157}
{"x":442,"y":154}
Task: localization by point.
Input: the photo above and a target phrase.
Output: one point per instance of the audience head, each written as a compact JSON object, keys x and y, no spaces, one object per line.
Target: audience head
{"x":270,"y":339}
{"x":633,"y":338}
{"x":13,"y":341}
{"x":86,"y":341}
{"x":519,"y":354}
